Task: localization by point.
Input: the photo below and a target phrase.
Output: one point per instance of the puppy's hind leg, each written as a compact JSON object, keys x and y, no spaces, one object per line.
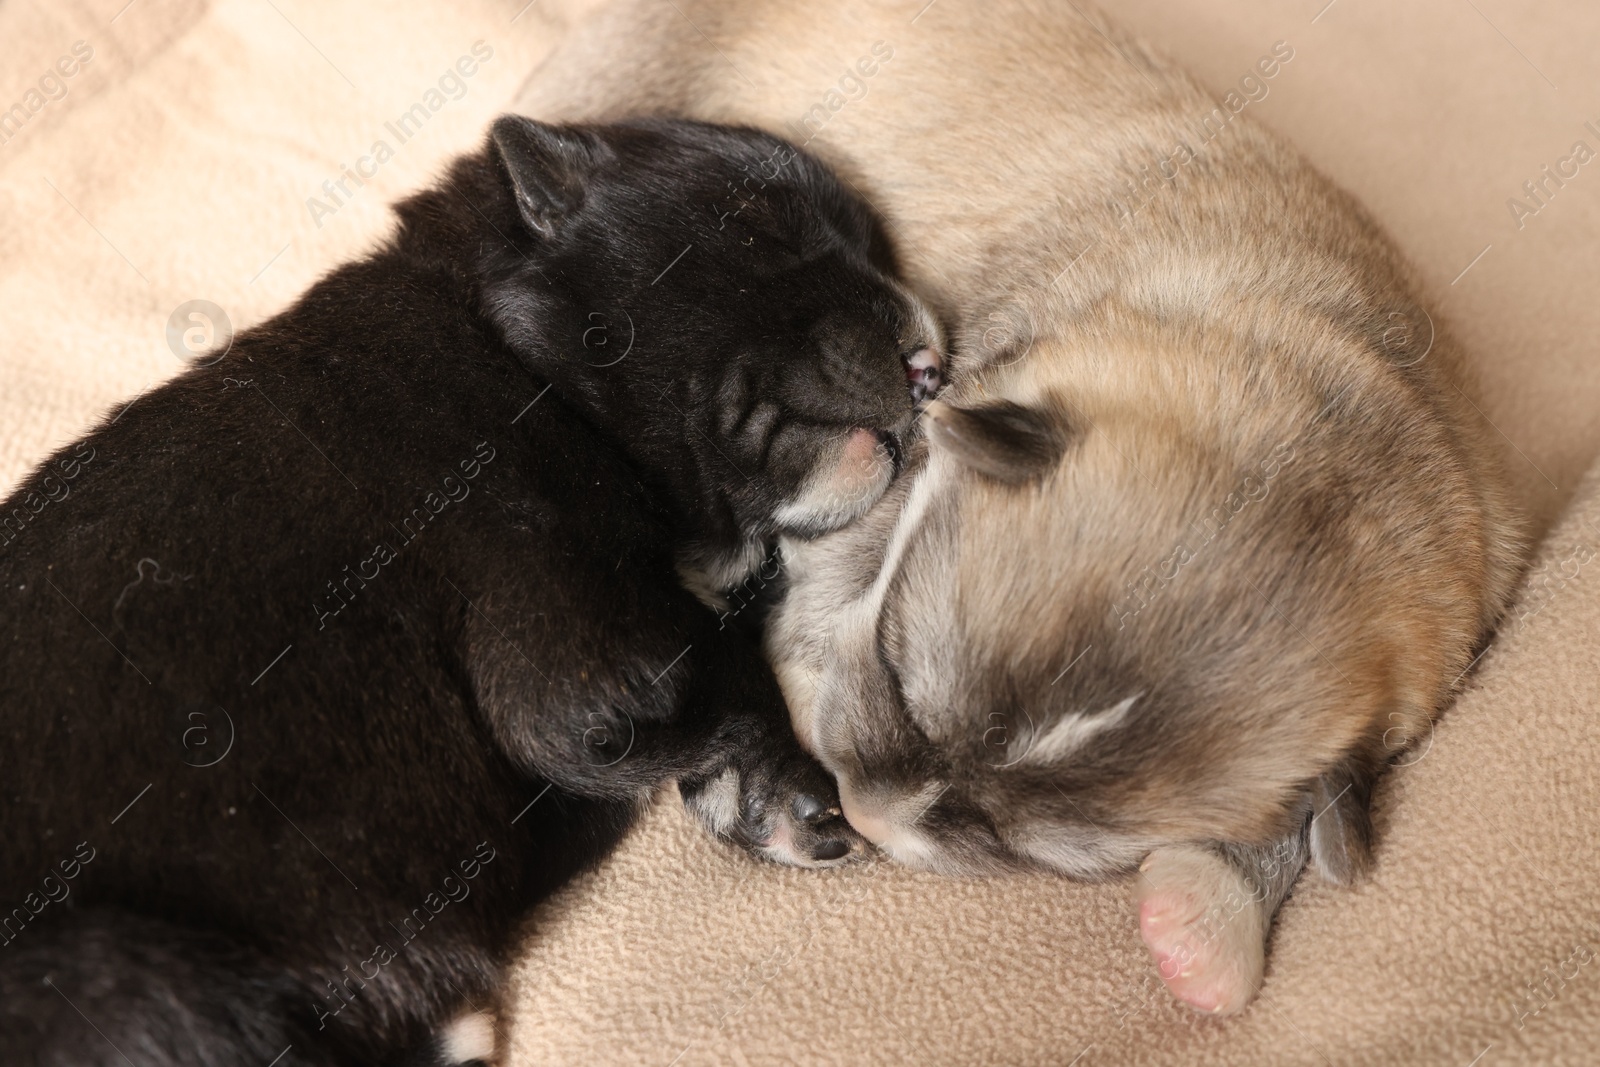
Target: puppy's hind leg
{"x":99,"y":988}
{"x":1205,"y":910}
{"x":1204,"y":914}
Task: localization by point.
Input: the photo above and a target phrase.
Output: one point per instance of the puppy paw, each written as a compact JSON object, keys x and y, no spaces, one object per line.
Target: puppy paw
{"x":788,"y":815}
{"x":1205,"y":926}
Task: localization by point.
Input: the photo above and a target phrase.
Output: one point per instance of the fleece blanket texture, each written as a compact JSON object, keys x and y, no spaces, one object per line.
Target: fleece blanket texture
{"x":166,"y":151}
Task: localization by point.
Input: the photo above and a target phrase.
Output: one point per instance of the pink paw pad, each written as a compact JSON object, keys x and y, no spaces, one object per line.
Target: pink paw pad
{"x":1204,"y":929}
{"x":925,"y":373}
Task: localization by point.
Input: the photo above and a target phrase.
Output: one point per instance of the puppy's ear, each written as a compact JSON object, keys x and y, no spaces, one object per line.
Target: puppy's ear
{"x":1003,"y":440}
{"x":548,"y":167}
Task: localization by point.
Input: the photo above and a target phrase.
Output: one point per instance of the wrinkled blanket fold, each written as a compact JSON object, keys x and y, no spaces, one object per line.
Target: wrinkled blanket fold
{"x":231,"y":152}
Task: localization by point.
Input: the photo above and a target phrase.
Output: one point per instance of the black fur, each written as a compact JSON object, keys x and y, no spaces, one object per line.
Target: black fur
{"x":320,"y":665}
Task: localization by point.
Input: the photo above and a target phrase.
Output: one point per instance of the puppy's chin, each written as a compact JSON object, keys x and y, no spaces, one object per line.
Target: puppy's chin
{"x":850,"y":474}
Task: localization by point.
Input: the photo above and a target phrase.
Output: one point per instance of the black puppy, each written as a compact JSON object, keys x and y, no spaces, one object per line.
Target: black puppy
{"x":323,"y":663}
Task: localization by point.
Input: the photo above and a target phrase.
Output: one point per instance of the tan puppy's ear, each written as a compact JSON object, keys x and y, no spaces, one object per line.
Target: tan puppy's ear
{"x":1004,"y":441}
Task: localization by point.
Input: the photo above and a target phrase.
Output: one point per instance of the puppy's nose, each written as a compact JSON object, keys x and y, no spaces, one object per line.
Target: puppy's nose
{"x":860,"y":451}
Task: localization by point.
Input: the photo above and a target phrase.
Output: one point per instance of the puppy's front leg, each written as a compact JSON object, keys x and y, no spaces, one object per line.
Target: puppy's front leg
{"x":607,"y":685}
{"x":1205,"y":911}
{"x":760,"y":789}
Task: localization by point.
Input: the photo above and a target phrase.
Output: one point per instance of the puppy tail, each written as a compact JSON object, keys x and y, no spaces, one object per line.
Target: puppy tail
{"x":99,"y":987}
{"x":1340,"y":833}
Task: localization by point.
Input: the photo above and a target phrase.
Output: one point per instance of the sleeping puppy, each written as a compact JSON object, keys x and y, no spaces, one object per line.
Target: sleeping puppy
{"x":349,"y":646}
{"x":1205,"y":528}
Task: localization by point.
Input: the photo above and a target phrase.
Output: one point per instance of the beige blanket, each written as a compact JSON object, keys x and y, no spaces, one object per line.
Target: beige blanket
{"x":186,"y":159}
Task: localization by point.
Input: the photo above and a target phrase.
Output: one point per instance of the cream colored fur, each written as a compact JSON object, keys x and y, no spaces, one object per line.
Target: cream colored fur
{"x":1274,"y":509}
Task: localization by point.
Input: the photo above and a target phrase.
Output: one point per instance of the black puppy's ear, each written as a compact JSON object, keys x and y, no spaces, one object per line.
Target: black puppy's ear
{"x":549,"y":167}
{"x":1003,"y":440}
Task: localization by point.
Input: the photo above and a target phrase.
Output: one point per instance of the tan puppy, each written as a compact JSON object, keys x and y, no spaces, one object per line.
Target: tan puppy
{"x":1204,"y":529}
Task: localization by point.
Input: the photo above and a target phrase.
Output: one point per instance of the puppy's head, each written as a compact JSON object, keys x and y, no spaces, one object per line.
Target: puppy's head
{"x":720,"y":287}
{"x":1150,"y":592}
